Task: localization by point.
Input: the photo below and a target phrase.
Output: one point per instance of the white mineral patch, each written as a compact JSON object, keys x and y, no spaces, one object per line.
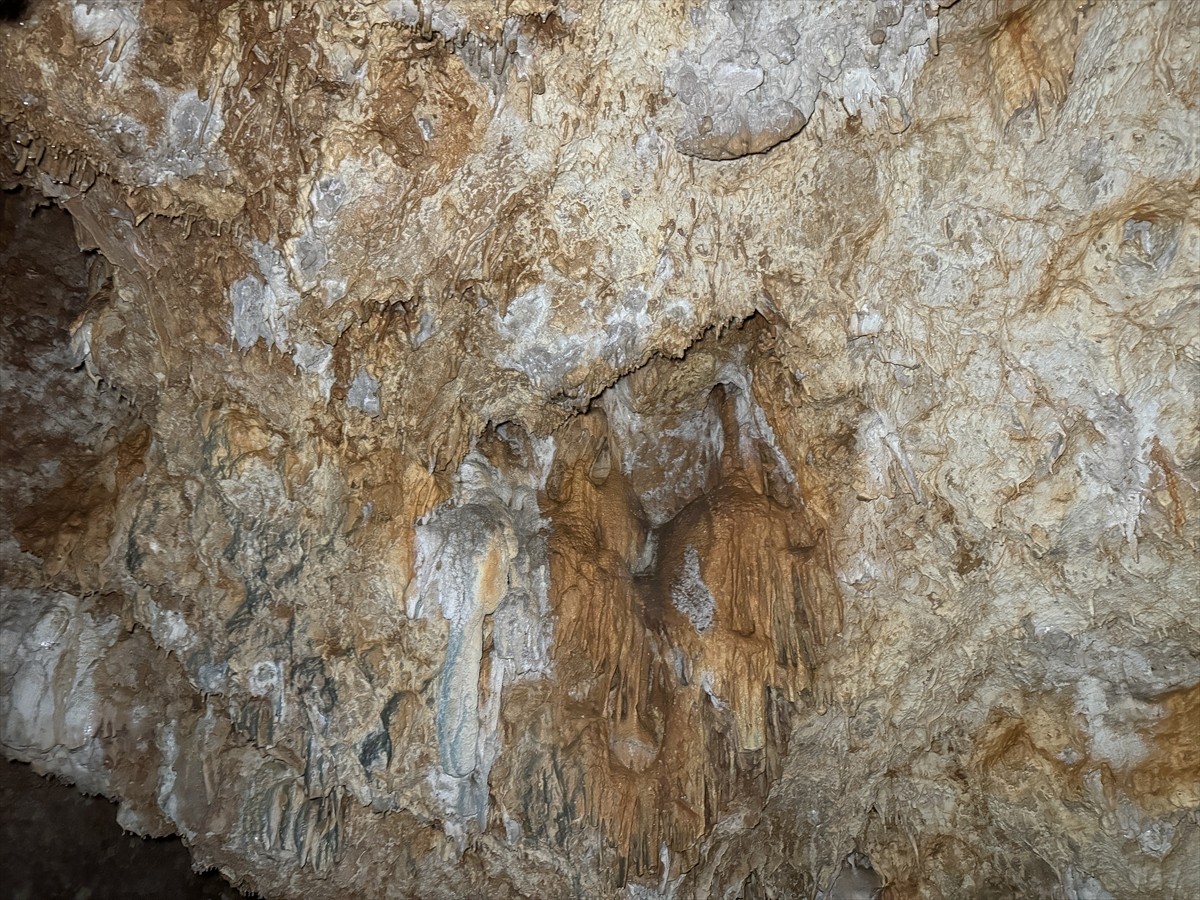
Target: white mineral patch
{"x":315,"y":360}
{"x":169,"y":628}
{"x":328,"y":195}
{"x":490,"y":517}
{"x":364,"y":393}
{"x":263,"y":304}
{"x":48,"y":705}
{"x":441,"y":17}
{"x":1079,"y":885}
{"x":756,"y":67}
{"x":112,"y":25}
{"x":264,"y":678}
{"x":168,"y":746}
{"x":691,"y":596}
{"x":754,"y":431}
{"x":547,"y":347}
{"x":189,"y":143}
{"x":1111,"y":737}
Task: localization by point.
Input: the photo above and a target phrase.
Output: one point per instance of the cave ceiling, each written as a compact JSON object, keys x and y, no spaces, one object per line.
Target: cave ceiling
{"x":647,"y":448}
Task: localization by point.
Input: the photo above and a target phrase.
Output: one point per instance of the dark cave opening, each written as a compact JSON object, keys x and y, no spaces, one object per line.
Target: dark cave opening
{"x":13,"y":10}
{"x":59,"y":427}
{"x":56,"y":842}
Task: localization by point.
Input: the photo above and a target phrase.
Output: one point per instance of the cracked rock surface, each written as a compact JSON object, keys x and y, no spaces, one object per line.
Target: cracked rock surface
{"x":548,"y":448}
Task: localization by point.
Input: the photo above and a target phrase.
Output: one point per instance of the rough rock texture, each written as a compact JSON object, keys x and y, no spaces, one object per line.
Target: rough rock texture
{"x":547,"y":448}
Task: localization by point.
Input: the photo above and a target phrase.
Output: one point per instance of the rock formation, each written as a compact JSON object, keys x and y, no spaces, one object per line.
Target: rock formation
{"x":641,"y":448}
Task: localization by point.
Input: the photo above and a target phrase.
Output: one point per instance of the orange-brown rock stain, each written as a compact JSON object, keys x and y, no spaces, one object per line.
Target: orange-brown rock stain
{"x":1032,"y":56}
{"x":677,"y":727}
{"x":1168,"y":778}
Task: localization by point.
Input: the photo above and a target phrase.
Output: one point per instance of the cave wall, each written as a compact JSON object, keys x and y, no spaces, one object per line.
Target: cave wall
{"x":629,"y":449}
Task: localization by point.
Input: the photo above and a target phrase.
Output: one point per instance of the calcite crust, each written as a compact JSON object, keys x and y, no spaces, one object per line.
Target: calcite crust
{"x":553,"y":448}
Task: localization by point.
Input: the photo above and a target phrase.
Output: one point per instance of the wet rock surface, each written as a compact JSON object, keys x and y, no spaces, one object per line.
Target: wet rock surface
{"x":562,"y":449}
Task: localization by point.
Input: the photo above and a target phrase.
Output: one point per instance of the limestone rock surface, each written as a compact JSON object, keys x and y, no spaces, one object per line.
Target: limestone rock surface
{"x":555,"y":448}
